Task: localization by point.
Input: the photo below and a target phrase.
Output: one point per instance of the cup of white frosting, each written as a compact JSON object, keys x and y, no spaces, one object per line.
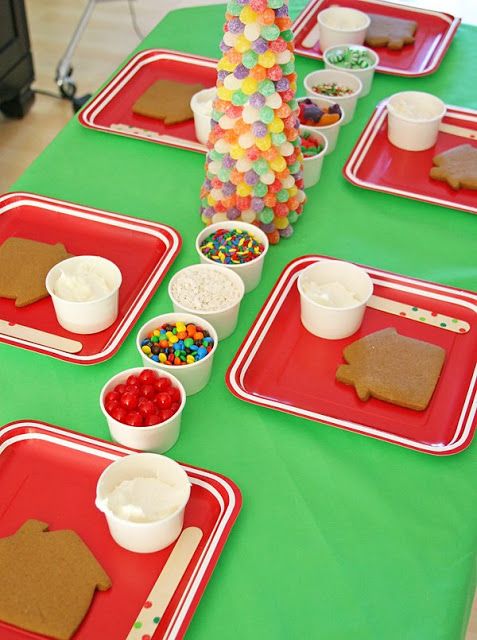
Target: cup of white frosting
{"x":333,"y":298}
{"x":85,"y":293}
{"x":143,"y":497}
{"x":413,"y":120}
{"x":202,"y":104}
{"x":342,"y":25}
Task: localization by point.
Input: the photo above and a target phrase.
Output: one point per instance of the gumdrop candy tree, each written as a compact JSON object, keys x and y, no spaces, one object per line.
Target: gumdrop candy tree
{"x":254,"y":163}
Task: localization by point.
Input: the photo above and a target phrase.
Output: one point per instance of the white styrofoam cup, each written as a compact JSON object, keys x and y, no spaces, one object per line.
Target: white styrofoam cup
{"x":366,"y":75}
{"x":341,"y":25}
{"x":347,"y":102}
{"x":413,"y":120}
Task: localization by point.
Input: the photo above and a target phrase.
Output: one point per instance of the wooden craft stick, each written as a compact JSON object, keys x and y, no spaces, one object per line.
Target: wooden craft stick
{"x":39,"y":337}
{"x":166,"y":584}
{"x":455,"y":130}
{"x":312,"y":37}
{"x":419,"y":315}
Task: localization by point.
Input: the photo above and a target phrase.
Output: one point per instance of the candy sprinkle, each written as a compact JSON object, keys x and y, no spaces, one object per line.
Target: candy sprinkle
{"x":231,"y":246}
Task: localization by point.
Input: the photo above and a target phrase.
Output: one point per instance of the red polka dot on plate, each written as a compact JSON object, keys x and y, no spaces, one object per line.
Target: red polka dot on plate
{"x":402,"y":313}
{"x":147,"y":604}
{"x":433,"y":314}
{"x":146,"y":637}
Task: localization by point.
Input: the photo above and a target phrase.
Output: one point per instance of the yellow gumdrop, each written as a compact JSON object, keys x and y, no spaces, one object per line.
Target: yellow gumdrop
{"x":267,"y":59}
{"x":224,"y":94}
{"x":226,"y":65}
{"x":205,"y":219}
{"x":242,"y":44}
{"x":236,"y":152}
{"x":278,"y":164}
{"x":276,"y":125}
{"x":247,"y":15}
{"x":264,"y":143}
{"x":243,"y":189}
{"x":211,"y":201}
{"x":249,"y":86}
{"x":292,"y":191}
{"x":280,"y":223}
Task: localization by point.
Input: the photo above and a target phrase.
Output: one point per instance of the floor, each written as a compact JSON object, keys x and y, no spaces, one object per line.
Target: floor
{"x":110,"y":36}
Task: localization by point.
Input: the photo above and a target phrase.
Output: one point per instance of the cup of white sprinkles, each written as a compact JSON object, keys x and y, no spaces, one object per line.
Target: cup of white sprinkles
{"x":211,"y":292}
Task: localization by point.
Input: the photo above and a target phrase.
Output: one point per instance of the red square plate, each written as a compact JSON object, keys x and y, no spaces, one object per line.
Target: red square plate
{"x":143,"y":251}
{"x":111,"y":109}
{"x":50,"y":474}
{"x":433,"y":36}
{"x":376,"y":164}
{"x":299,"y":378}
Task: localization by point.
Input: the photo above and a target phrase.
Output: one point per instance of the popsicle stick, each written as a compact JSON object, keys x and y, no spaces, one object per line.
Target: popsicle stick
{"x":166,"y":584}
{"x":455,"y":130}
{"x":152,"y":135}
{"x":419,"y":315}
{"x":39,"y":337}
{"x":311,"y":39}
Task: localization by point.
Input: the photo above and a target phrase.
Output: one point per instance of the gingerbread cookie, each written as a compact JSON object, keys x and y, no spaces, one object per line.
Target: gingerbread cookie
{"x":47,"y":580}
{"x":23,"y":268}
{"x":393,"y":33}
{"x":393,"y":368}
{"x":457,"y":167}
{"x":167,"y":100}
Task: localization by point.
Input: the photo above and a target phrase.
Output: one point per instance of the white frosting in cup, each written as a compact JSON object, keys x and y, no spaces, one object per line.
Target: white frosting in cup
{"x":330,"y":294}
{"x":84,"y":284}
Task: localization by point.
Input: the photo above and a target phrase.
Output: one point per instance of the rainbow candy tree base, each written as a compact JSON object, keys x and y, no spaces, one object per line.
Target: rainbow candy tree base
{"x":254,"y":163}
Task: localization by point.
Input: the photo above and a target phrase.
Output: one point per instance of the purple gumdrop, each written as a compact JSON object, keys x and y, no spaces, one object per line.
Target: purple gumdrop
{"x":259,"y":129}
{"x":228,"y":189}
{"x":241,"y":72}
{"x":267,"y":228}
{"x":282,"y":12}
{"x":213,"y":123}
{"x":257,"y":204}
{"x":208,"y":212}
{"x":257,"y":100}
{"x":286,"y":232}
{"x":242,"y":2}
{"x":227,"y":161}
{"x":207,"y":184}
{"x":223,"y":47}
{"x":233,"y":213}
{"x":282,"y":84}
{"x":251,"y":177}
{"x":260,"y":45}
{"x":236,"y":26}
{"x":221,"y":75}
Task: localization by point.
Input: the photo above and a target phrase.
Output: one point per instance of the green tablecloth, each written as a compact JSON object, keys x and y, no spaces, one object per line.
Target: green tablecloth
{"x":341,"y":536}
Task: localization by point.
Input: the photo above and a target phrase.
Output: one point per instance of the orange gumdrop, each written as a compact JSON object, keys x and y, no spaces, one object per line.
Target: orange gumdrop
{"x":234,"y":56}
{"x":235,"y":177}
{"x":328,"y":118}
{"x":274,"y":237}
{"x":241,"y":127}
{"x":230,"y":136}
{"x":283,"y":112}
{"x":283,"y":23}
{"x":221,"y":105}
{"x":292,"y":134}
{"x":228,"y":202}
{"x":270,"y":154}
{"x":293,"y":203}
{"x":283,"y":174}
{"x":267,"y":17}
{"x":270,"y":200}
{"x":258,"y":73}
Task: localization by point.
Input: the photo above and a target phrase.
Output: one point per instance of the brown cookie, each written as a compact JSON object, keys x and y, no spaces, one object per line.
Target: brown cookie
{"x":167,"y":100}
{"x":393,"y":33}
{"x":47,"y":580}
{"x":393,"y":368}
{"x":23,"y":268}
{"x":457,"y":167}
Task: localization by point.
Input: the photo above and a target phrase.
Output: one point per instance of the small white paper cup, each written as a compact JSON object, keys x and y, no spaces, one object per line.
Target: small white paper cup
{"x":313,"y":164}
{"x":201,"y":117}
{"x":158,"y":437}
{"x":225,"y":320}
{"x":142,"y":537}
{"x":334,"y":323}
{"x":341,"y":25}
{"x":194,"y":376}
{"x":347,"y":103}
{"x":249,"y":272}
{"x":330,"y":131}
{"x":365,"y":75}
{"x":92,"y":316}
{"x":409,"y":132}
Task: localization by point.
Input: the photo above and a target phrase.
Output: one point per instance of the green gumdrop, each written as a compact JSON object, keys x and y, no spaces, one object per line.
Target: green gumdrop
{"x":266,"y":115}
{"x":249,"y":59}
{"x":266,"y":215}
{"x":266,"y":87}
{"x":288,"y":68}
{"x":275,"y":4}
{"x":239,"y":98}
{"x":287,"y":35}
{"x":292,"y":217}
{"x":223,"y":174}
{"x":293,"y":104}
{"x":260,"y":190}
{"x":260,"y":166}
{"x":234,"y":8}
{"x":216,"y":115}
{"x":294,"y":168}
{"x":278,"y":139}
{"x":270,"y":32}
{"x":282,"y":195}
{"x":215,"y":155}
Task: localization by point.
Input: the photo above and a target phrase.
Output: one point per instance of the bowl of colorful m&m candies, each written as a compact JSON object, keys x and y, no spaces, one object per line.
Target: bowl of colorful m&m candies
{"x":143,"y":408}
{"x":239,"y":246}
{"x":181,"y":344}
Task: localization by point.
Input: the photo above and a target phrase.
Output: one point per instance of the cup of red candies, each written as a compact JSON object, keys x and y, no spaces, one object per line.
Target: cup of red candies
{"x":313,"y":146}
{"x":143,"y":408}
{"x":182,"y":344}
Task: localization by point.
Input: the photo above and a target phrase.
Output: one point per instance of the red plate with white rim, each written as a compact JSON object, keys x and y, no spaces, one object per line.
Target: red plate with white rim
{"x":299,"y":378}
{"x":143,"y":250}
{"x":376,"y":164}
{"x":64,"y":498}
{"x":434,"y":34}
{"x":111,"y":110}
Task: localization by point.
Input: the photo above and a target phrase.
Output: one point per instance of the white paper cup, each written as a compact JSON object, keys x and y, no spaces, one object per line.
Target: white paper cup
{"x":365,"y":75}
{"x":330,"y":131}
{"x":347,"y":103}
{"x":86,"y":317}
{"x":143,"y":537}
{"x":341,"y":25}
{"x":159,"y":437}
{"x":334,"y":323}
{"x":312,"y":165}
{"x":249,"y":272}
{"x":194,"y":376}
{"x":202,"y":115}
{"x":224,"y":320}
{"x":413,"y":120}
